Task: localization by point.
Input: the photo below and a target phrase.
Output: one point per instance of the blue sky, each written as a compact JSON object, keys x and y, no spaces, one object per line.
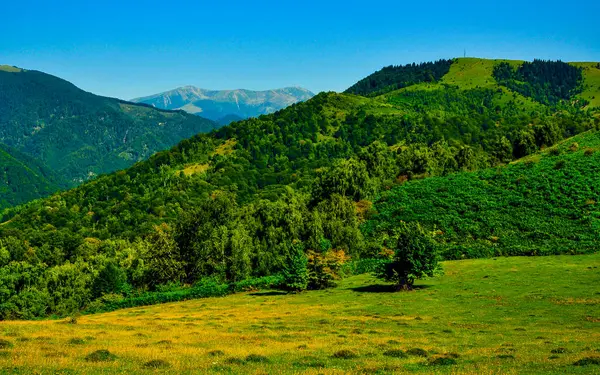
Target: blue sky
{"x":128,"y":49}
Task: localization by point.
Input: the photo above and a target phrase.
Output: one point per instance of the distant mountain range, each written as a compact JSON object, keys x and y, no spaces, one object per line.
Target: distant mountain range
{"x":225,"y":106}
{"x":48,"y":124}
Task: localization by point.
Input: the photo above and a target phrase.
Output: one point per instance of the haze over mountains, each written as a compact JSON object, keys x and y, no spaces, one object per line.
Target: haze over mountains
{"x":225,"y":106}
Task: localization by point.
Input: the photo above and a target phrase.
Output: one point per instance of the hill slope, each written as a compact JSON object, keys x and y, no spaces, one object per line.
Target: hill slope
{"x":78,"y":134}
{"x":235,"y":203}
{"x":543,"y":204}
{"x":225,"y":106}
{"x":23,"y":178}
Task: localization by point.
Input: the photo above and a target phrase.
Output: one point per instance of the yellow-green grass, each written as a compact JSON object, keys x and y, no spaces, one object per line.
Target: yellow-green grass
{"x":10,"y":69}
{"x":591,"y":90}
{"x":497,"y":316}
{"x":193,"y":169}
{"x":469,"y":73}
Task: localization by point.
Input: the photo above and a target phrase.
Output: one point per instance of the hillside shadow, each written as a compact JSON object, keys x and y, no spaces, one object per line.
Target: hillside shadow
{"x":383,"y":288}
{"x":266,"y":294}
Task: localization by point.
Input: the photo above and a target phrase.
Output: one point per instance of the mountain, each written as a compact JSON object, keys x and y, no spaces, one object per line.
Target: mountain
{"x":23,"y":178}
{"x":334,"y":173}
{"x":78,"y":134}
{"x":226,"y":106}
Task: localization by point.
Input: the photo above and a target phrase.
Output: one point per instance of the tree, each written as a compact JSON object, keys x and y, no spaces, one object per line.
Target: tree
{"x":111,"y":279}
{"x":295,"y":273}
{"x":163,"y":258}
{"x":415,"y":256}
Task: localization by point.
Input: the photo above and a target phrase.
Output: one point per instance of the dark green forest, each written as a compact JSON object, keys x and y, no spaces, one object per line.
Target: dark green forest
{"x":289,"y":196}
{"x":395,"y":77}
{"x":547,"y":82}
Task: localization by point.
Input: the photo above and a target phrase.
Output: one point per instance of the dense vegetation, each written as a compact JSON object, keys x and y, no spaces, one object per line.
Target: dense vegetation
{"x":77,"y":134}
{"x":253,"y":199}
{"x":395,"y":77}
{"x":547,"y":82}
{"x":23,"y":178}
{"x":545,"y":204}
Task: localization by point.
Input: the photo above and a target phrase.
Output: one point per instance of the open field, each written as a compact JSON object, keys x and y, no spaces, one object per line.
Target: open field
{"x":494,"y":316}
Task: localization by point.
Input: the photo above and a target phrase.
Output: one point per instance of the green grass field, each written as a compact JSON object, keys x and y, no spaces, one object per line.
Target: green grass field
{"x":536,"y":315}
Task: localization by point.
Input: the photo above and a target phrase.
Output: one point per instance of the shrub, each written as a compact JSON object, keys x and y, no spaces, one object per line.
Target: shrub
{"x":102,"y":355}
{"x":395,"y":353}
{"x":443,"y":361}
{"x":216,"y":353}
{"x":5,"y":344}
{"x":234,"y":361}
{"x":309,"y":362}
{"x":345,"y":354}
{"x":588,"y":361}
{"x":265,"y":282}
{"x":417,"y":352}
{"x":157,"y":364}
{"x":257,"y":358}
{"x":324,"y":268}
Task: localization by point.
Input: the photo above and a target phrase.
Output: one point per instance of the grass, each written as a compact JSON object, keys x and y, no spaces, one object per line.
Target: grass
{"x":10,"y":69}
{"x":470,"y":73}
{"x":591,"y":90}
{"x":485,"y":316}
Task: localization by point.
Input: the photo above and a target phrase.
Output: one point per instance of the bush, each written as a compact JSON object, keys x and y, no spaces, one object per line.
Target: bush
{"x":265,"y":282}
{"x":588,"y":361}
{"x":395,"y":353}
{"x":157,"y":364}
{"x":102,"y":355}
{"x":5,"y":344}
{"x":417,"y":352}
{"x":257,"y":358}
{"x":345,"y":354}
{"x":325,"y":268}
{"x":443,"y":361}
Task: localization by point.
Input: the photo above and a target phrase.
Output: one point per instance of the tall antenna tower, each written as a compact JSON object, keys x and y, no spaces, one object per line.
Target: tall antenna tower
{"x":465,"y":53}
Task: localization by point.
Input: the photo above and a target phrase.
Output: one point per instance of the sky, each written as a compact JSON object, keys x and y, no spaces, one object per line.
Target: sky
{"x":128,"y":49}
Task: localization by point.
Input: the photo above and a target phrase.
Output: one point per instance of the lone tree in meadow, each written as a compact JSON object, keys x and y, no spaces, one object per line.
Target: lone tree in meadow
{"x":295,"y":272}
{"x":414,"y":256}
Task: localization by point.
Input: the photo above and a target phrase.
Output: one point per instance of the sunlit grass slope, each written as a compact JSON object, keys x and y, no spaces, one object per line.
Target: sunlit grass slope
{"x":493,"y":316}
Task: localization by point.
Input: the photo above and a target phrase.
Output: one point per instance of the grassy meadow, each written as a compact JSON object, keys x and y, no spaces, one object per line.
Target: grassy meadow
{"x":487,"y":316}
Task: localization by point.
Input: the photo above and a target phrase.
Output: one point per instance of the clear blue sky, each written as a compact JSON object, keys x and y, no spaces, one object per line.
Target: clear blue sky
{"x":127,"y":49}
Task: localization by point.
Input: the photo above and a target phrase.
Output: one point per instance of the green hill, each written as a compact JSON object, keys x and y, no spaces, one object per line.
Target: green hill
{"x":23,"y":178}
{"x":79,"y":135}
{"x":543,"y":204}
{"x":235,"y":203}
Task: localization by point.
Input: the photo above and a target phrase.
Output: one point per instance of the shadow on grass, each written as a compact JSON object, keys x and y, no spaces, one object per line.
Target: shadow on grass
{"x":383,"y":288}
{"x":266,"y":294}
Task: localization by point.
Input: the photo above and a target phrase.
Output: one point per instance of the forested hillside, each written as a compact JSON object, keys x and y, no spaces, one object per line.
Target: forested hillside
{"x":79,"y":135}
{"x":251,"y":198}
{"x":23,"y":178}
{"x":396,"y":77}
